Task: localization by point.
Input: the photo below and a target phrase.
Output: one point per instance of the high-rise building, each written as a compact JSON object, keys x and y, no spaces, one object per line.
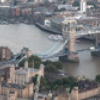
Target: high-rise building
{"x":83,"y":6}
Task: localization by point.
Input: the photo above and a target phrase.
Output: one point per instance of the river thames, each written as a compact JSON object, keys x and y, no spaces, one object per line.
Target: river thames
{"x":20,"y":35}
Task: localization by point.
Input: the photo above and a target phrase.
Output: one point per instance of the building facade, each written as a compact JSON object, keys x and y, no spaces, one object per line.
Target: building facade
{"x":19,"y":84}
{"x":5,"y":53}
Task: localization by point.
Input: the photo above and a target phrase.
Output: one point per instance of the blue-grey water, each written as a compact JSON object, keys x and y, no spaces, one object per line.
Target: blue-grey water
{"x":20,"y":35}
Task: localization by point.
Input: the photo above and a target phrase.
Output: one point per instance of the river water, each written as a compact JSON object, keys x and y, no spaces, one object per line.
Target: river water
{"x":20,"y":35}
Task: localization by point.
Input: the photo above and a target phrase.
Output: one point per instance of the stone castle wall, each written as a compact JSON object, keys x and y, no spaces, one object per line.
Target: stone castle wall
{"x":89,"y":93}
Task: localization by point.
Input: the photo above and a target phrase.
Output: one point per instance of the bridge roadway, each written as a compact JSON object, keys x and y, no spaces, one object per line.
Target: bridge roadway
{"x":83,"y":33}
{"x":62,"y":53}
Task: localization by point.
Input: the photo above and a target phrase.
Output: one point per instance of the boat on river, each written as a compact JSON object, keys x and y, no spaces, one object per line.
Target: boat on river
{"x":55,"y":37}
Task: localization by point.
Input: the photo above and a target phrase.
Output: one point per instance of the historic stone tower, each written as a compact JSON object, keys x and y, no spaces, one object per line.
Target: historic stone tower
{"x":69,"y":31}
{"x":12,"y":74}
{"x":74,"y":94}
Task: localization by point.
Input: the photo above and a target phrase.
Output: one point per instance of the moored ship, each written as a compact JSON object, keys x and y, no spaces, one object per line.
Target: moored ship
{"x":95,"y":52}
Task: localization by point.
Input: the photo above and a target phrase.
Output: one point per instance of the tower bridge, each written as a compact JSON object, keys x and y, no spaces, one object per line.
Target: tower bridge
{"x":67,"y":51}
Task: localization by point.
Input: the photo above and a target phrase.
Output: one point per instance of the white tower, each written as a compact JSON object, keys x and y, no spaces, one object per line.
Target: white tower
{"x":83,"y":6}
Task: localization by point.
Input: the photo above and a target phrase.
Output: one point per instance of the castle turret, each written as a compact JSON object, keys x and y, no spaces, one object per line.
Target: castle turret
{"x":12,"y":74}
{"x":50,"y":95}
{"x":74,"y":94}
{"x":26,"y":65}
{"x":41,"y":69}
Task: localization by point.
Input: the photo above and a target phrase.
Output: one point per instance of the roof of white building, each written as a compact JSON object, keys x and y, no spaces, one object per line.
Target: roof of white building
{"x":24,"y":71}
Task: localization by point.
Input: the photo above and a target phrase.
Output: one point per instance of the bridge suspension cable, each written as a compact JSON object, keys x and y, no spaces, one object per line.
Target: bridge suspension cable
{"x":53,"y":47}
{"x":62,"y":46}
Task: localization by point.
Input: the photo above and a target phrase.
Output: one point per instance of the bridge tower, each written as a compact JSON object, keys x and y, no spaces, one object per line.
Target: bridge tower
{"x":69,"y":31}
{"x":97,"y":41}
{"x":97,"y":46}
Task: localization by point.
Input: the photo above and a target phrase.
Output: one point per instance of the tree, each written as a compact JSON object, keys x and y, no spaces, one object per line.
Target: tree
{"x":43,"y":82}
{"x":47,"y":62}
{"x":72,"y":79}
{"x":58,"y":64}
{"x":21,"y":64}
{"x":35,"y":58}
{"x":97,"y":78}
{"x":74,"y":84}
{"x":66,"y":82}
{"x":55,"y":87}
{"x":51,"y":68}
{"x":59,"y":82}
{"x":37,"y":64}
{"x":37,"y":61}
{"x":34,"y":79}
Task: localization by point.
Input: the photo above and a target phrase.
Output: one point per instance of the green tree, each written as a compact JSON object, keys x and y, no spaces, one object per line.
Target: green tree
{"x":51,"y":68}
{"x":43,"y":82}
{"x":37,"y":61}
{"x":55,"y":87}
{"x":35,"y":58}
{"x":37,"y":64}
{"x":47,"y":62}
{"x":34,"y":79}
{"x":66,"y":82}
{"x":59,"y":82}
{"x":72,"y":86}
{"x":72,"y":79}
{"x":58,"y":64}
{"x":21,"y":64}
{"x":30,"y":65}
{"x":97,"y":78}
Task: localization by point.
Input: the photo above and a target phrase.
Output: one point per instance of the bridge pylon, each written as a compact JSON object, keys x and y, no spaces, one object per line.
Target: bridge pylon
{"x":70,"y":30}
{"x":97,"y":40}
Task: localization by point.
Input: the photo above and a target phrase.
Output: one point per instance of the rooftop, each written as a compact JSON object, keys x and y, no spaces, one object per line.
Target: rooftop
{"x":83,"y":17}
{"x":40,"y":9}
{"x":57,"y":20}
{"x":24,"y":71}
{"x":12,"y":86}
